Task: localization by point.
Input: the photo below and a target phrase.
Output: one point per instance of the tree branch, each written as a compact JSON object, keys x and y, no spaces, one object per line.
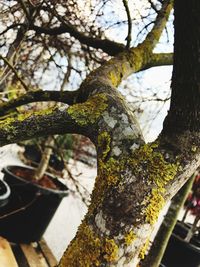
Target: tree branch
{"x":153,"y":36}
{"x":128,"y":38}
{"x":159,"y":59}
{"x":134,"y":59}
{"x":67,"y":97}
{"x":153,"y":6}
{"x":110,"y":47}
{"x":11,"y":27}
{"x":15,"y":72}
{"x":42,"y":123}
{"x":23,"y":5}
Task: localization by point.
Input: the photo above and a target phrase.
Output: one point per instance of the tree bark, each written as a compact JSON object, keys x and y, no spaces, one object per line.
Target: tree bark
{"x":134,"y":179}
{"x":156,"y":252}
{"x":43,"y":165}
{"x":184,"y":113}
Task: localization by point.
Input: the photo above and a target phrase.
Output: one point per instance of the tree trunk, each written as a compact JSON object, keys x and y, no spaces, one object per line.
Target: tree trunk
{"x":132,"y":187}
{"x":156,"y":252}
{"x":184,"y":112}
{"x":43,"y":165}
{"x":134,"y":179}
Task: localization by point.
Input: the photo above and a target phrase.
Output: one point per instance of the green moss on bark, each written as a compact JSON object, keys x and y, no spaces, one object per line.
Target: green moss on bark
{"x":89,"y":111}
{"x":129,"y":238}
{"x":144,"y":249}
{"x":158,"y":173}
{"x":94,"y":249}
{"x":104,"y":144}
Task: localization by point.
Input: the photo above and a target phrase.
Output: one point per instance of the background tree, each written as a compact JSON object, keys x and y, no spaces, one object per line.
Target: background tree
{"x":134,"y":179}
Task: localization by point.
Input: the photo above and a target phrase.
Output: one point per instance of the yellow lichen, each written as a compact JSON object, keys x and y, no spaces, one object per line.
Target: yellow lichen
{"x":110,"y":170}
{"x":93,"y":249}
{"x":144,"y":249}
{"x":194,"y":148}
{"x":129,"y":238}
{"x":6,"y":121}
{"x":104,"y":143}
{"x":109,"y":175}
{"x":147,"y":163}
{"x":114,"y":78}
{"x":155,"y":204}
{"x":90,"y":250}
{"x":111,"y":250}
{"x":89,"y":111}
{"x":159,"y":173}
{"x":15,"y":117}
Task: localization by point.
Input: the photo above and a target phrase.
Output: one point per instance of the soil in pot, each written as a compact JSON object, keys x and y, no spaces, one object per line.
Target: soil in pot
{"x":31,"y":206}
{"x":27,"y":174}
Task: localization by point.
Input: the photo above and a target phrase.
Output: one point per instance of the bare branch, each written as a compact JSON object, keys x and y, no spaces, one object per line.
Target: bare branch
{"x":159,"y":59}
{"x":23,"y":5}
{"x":110,"y":47}
{"x":153,"y":6}
{"x":11,"y":27}
{"x":39,"y":96}
{"x":153,"y":36}
{"x":15,"y":72}
{"x":128,"y":38}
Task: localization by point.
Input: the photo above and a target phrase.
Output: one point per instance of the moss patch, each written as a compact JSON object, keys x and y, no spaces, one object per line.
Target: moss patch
{"x":158,"y":173}
{"x":109,"y":175}
{"x":144,"y":249}
{"x":93,"y":250}
{"x":111,"y":250}
{"x":129,"y":238}
{"x":104,"y":141}
{"x":89,"y":111}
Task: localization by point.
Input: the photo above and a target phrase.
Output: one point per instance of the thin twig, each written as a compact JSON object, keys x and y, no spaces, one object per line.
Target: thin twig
{"x":153,"y":6}
{"x":15,"y":72}
{"x":26,"y":11}
{"x":128,"y":38}
{"x":11,"y":27}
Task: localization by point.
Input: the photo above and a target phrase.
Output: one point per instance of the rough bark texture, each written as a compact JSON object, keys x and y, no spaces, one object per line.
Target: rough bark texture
{"x":134,"y":179}
{"x":185,"y":113}
{"x":156,"y":252}
{"x":130,"y":191}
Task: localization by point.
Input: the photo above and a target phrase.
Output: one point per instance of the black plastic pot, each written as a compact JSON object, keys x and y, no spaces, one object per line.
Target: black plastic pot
{"x":30,"y":208}
{"x":4,"y":193}
{"x":181,"y":229}
{"x":181,"y":253}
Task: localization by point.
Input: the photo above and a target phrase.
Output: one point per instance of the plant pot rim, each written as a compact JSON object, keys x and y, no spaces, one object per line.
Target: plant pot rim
{"x":187,"y":244}
{"x":63,"y":192}
{"x":8,"y":191}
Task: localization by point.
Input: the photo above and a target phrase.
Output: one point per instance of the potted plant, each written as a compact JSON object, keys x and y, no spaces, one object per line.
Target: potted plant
{"x":35,"y":196}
